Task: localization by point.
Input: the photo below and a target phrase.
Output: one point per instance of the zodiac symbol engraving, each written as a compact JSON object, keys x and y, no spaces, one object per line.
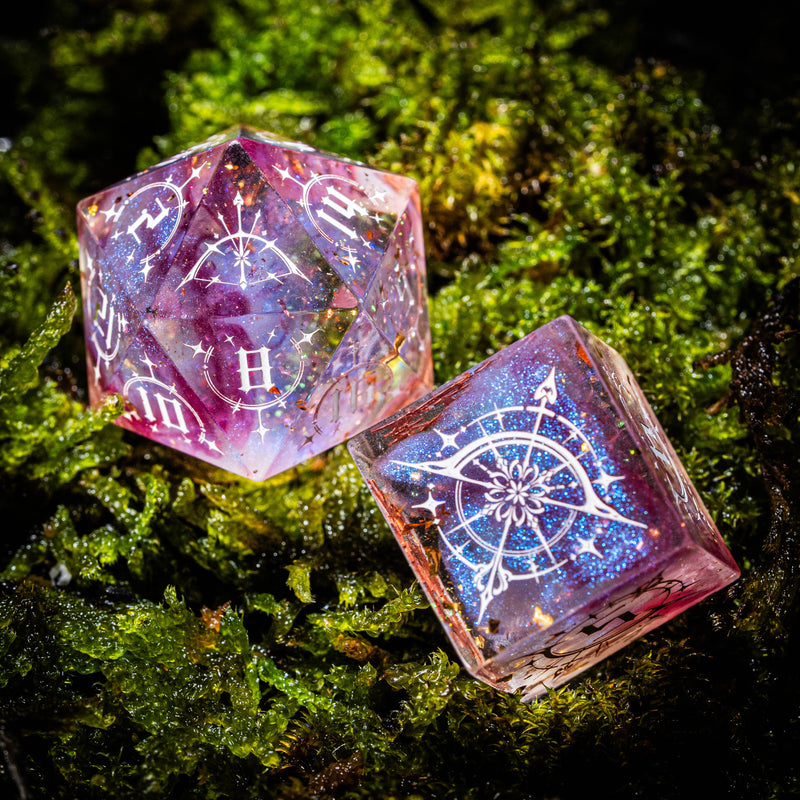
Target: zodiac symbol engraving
{"x":161,"y":205}
{"x":331,"y":208}
{"x":264,"y":383}
{"x":161,"y":406}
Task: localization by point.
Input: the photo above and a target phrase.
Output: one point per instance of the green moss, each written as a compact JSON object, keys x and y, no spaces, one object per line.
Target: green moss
{"x":169,"y":630}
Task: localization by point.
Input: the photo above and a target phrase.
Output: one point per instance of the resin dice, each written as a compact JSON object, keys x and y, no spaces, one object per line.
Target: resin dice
{"x":543,"y":510}
{"x":255,"y":301}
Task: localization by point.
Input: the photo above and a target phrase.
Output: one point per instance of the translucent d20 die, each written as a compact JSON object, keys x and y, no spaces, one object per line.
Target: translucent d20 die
{"x":543,"y":510}
{"x":254,"y":300}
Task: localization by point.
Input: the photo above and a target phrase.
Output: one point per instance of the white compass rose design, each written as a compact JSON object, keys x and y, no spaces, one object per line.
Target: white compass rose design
{"x":517,"y":494}
{"x":243,"y":248}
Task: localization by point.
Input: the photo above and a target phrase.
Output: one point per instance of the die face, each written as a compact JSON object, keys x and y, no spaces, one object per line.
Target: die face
{"x":655,"y":447}
{"x":527,"y":508}
{"x":160,"y":404}
{"x":219,"y":302}
{"x":605,"y":626}
{"x":349,"y":211}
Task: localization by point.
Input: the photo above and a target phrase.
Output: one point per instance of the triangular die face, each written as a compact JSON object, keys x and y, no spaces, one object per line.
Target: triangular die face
{"x":161,"y":405}
{"x":364,"y":382}
{"x":245,"y":253}
{"x":347,"y":209}
{"x":110,"y":320}
{"x":139,"y":223}
{"x":245,"y":132}
{"x":252,"y":373}
{"x":397,"y":300}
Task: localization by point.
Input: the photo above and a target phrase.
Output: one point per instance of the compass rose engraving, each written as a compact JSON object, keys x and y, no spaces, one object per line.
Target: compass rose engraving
{"x":243,"y":248}
{"x":518,"y":493}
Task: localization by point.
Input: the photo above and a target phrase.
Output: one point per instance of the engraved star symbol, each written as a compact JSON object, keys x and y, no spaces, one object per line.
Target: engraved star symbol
{"x":150,"y":365}
{"x":284,"y":173}
{"x":351,"y":259}
{"x":197,"y":349}
{"x":306,"y":337}
{"x":111,"y":213}
{"x":430,"y":504}
{"x":605,"y":480}
{"x":261,"y":430}
{"x":209,"y":443}
{"x":448,"y":439}
{"x":148,"y":265}
{"x":587,"y":546}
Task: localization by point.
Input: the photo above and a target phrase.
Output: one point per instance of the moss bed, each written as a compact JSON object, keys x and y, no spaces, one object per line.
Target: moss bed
{"x":220,"y":638}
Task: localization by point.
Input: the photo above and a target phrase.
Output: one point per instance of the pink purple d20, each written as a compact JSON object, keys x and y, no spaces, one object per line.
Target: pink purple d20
{"x":254,"y":300}
{"x":543,"y":510}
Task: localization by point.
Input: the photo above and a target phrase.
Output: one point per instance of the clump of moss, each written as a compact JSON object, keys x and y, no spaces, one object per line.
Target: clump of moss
{"x":171,"y":630}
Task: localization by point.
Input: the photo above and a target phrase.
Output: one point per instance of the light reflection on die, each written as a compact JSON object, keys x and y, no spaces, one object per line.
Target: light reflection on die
{"x":543,"y":510}
{"x":254,"y":300}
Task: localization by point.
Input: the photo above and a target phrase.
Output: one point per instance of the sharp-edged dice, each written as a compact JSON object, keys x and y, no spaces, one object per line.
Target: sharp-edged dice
{"x":543,"y":510}
{"x":254,"y":300}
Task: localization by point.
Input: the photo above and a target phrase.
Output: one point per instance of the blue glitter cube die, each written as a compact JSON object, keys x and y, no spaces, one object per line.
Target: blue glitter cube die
{"x":543,"y":510}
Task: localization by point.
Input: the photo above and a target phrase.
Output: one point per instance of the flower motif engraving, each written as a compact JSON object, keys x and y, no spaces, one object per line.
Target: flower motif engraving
{"x":518,"y":492}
